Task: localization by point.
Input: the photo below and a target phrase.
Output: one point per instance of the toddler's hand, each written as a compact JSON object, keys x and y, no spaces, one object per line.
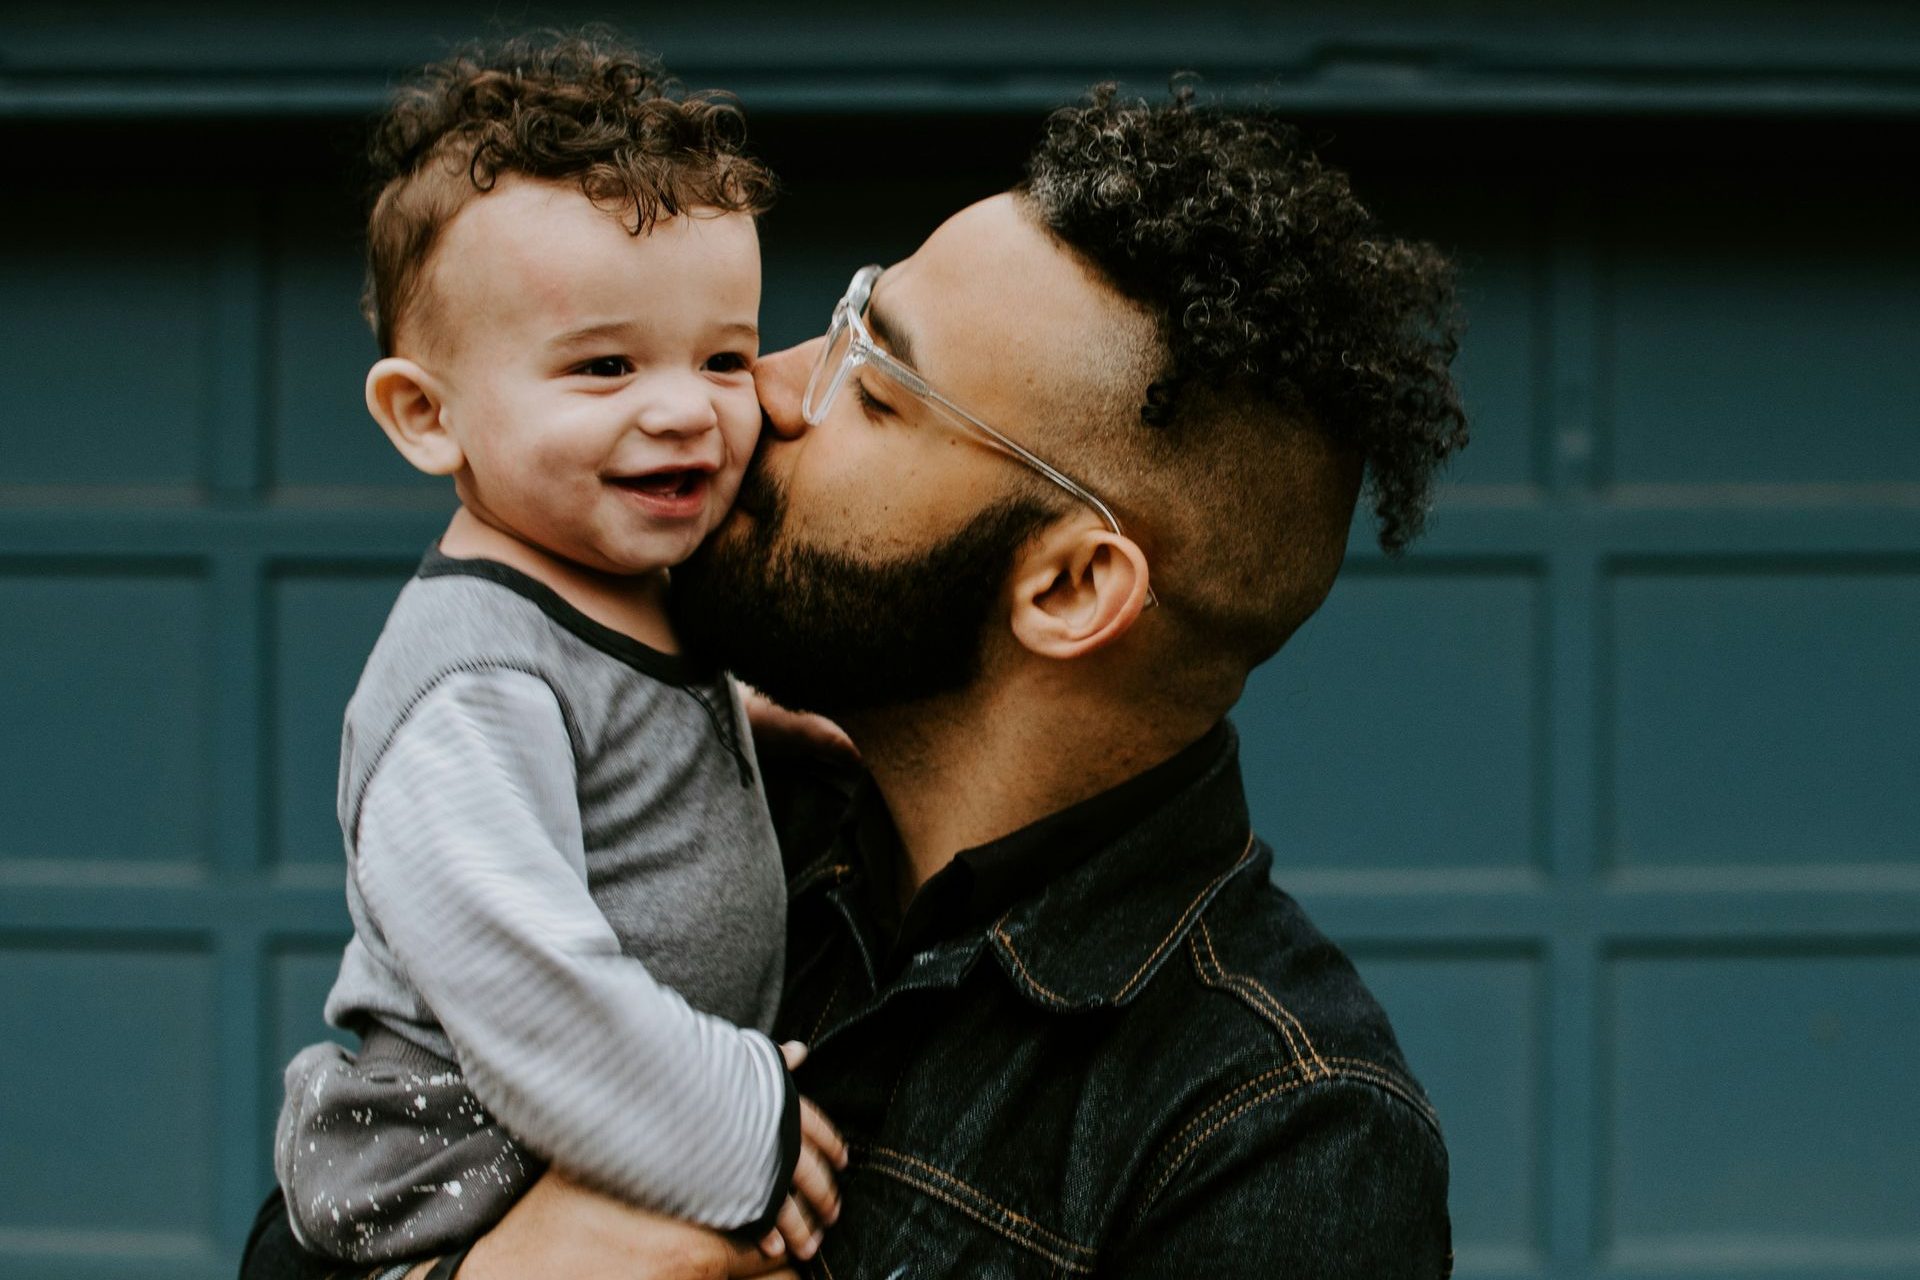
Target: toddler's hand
{"x":777,"y":729}
{"x":813,"y":1205}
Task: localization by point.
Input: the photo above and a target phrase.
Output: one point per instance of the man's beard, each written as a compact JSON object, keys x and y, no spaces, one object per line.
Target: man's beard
{"x":821,"y":630}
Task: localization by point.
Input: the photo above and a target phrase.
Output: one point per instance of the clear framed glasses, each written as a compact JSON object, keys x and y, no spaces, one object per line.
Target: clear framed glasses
{"x":849,"y":345}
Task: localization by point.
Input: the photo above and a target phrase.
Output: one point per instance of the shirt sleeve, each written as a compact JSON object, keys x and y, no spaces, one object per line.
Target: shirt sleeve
{"x":1338,"y":1181}
{"x":470,"y":861}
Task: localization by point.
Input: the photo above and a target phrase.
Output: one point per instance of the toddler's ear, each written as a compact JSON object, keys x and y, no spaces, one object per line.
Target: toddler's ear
{"x":406,"y":401}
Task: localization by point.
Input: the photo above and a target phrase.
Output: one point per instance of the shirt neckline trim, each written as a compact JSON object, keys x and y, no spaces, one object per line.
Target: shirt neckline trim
{"x":668,"y":668}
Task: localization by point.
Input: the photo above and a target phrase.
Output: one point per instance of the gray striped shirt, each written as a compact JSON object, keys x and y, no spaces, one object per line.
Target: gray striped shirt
{"x":562,"y":876}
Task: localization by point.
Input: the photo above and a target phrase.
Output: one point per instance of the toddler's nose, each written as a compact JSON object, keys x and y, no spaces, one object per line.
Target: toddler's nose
{"x":683,"y":407}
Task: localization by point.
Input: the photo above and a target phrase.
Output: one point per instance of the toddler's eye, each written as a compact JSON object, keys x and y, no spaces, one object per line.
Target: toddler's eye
{"x":726,"y":362}
{"x":606,"y":367}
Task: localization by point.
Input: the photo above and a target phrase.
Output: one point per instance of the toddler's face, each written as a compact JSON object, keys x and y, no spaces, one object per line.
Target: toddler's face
{"x":600,"y":384}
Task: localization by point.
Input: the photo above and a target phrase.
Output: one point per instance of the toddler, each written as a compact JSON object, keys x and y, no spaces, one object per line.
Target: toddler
{"x":567,"y":901}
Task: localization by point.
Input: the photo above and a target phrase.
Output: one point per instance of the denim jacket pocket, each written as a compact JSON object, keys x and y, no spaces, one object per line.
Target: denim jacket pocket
{"x":906,"y":1218}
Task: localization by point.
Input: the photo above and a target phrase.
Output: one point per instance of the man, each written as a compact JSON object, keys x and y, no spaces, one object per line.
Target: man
{"x":1023,"y":521}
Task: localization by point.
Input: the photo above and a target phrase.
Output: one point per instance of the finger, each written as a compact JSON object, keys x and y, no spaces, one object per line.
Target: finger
{"x":746,"y":1261}
{"x":827,"y":737}
{"x":818,"y":1131}
{"x":795,"y":1053}
{"x":814,"y":1186}
{"x":803,"y":1238}
{"x":756,"y":702}
{"x":772,"y":1245}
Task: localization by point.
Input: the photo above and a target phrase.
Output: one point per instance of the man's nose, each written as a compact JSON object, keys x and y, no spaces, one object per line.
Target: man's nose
{"x":680,"y":406}
{"x":780,"y":380}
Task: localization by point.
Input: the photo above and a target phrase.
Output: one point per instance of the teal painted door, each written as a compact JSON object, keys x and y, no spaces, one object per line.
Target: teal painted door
{"x":1610,"y":787}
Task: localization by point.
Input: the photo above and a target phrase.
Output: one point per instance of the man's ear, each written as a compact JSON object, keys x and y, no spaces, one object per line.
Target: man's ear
{"x":408,"y":403}
{"x":1077,"y":590}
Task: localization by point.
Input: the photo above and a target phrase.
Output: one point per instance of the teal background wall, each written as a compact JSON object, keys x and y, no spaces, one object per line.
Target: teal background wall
{"x":1612,"y":787}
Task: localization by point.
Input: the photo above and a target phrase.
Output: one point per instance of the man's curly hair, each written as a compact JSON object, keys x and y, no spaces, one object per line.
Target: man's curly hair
{"x":1268,"y":279}
{"x":575,"y":107}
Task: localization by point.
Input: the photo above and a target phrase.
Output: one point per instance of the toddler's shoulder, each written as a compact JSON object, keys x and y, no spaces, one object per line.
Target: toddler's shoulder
{"x":442,"y":626}
{"x":459,"y":618}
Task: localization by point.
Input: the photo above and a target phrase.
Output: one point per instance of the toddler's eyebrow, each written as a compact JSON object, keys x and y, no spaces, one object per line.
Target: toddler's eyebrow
{"x":618,"y":328}
{"x":591,"y":333}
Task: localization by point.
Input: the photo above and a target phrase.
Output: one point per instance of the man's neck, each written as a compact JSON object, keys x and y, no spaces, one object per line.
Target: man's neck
{"x":957,"y":773}
{"x":634,"y":606}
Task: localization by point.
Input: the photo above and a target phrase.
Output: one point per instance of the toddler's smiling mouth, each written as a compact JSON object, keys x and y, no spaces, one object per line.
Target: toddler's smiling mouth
{"x":675,"y":493}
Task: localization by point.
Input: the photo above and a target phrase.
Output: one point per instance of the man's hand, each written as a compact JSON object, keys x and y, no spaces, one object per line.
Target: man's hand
{"x":814,"y":1204}
{"x":777,"y":730}
{"x":562,"y":1229}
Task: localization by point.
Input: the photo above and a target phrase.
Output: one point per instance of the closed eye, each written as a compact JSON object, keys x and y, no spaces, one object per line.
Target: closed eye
{"x":874,"y":406}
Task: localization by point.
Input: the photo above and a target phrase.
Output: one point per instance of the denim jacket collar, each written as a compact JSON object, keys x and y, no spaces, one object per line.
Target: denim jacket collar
{"x":1093,"y":938}
{"x":1094,"y":935}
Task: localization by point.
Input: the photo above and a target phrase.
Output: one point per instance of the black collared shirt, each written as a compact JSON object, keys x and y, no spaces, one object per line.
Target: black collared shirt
{"x":981,"y":882}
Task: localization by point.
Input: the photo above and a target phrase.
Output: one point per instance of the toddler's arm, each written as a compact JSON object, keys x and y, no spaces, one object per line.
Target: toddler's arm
{"x":470,"y":861}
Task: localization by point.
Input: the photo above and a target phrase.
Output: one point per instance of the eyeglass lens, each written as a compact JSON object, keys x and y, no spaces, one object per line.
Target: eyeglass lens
{"x":830,"y":369}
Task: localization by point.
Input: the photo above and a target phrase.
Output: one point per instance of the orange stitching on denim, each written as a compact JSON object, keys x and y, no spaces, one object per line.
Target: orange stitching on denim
{"x":1200,"y":967}
{"x":1258,"y":993}
{"x":1227,"y":1100}
{"x":1053,"y":1237}
{"x":1390,"y":1080}
{"x":1154,"y":1192}
{"x":1351,"y":1069}
{"x":1225,"y":981}
{"x":947,"y":1197}
{"x":1000,"y":932}
{"x":1262,"y":998}
{"x":826,"y":1009}
{"x":1187,"y":915}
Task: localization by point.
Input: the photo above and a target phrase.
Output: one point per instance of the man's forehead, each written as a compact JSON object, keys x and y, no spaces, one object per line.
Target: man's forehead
{"x":992,"y":306}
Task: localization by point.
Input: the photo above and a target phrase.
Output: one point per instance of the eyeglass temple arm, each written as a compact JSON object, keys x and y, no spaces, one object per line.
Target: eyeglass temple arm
{"x":904,"y":374}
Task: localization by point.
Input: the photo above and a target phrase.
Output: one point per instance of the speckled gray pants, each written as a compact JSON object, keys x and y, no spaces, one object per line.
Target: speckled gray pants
{"x":386,"y":1154}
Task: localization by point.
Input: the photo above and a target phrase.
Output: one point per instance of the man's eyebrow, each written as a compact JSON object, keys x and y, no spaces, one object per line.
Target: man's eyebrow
{"x":896,"y":339}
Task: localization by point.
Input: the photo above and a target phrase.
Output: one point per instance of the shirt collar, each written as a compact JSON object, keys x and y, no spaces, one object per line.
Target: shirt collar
{"x":1081,"y":906}
{"x":1097,"y":934}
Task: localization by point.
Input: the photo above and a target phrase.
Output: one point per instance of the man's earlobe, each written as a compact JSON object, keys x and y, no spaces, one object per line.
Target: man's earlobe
{"x":1079,"y":593}
{"x":407,"y":402}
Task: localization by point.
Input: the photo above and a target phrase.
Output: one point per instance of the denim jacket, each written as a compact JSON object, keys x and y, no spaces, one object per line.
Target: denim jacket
{"x":1150,"y":1065}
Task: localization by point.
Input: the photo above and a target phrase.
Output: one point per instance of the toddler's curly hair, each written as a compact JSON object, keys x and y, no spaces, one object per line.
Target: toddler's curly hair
{"x":577,"y":107}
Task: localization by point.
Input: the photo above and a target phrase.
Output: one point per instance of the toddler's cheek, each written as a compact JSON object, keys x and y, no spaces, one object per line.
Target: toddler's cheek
{"x":740,"y":419}
{"x":726,"y":491}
